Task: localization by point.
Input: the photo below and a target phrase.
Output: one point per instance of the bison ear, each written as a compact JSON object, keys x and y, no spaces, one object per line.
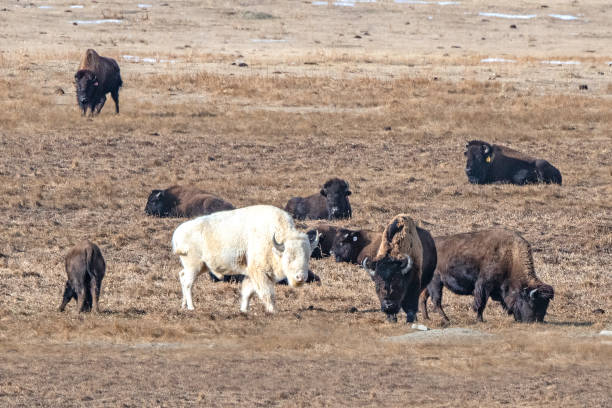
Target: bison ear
{"x":323,"y":192}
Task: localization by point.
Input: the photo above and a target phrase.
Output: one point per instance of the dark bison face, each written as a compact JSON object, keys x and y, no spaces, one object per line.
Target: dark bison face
{"x":479,"y":159}
{"x":160,"y":203}
{"x":336,"y":192}
{"x":532,"y":303}
{"x":86,"y":87}
{"x":390,"y":276}
{"x":345,"y":246}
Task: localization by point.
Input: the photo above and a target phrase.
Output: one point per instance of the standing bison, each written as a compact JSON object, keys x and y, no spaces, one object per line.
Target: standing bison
{"x":403,"y":266}
{"x":85,"y":268}
{"x":96,"y":77}
{"x":330,"y":203}
{"x":488,"y":163}
{"x":494,"y":263}
{"x":180,"y":201}
{"x":260,"y":242}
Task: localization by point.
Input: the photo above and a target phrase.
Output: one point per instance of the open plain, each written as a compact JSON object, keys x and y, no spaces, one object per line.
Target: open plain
{"x":383,"y":94}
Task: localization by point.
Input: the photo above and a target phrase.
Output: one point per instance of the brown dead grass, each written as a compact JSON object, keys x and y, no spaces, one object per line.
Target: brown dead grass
{"x":393,"y":124}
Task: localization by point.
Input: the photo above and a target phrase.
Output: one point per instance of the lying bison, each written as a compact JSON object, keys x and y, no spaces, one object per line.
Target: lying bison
{"x":85,"y":268}
{"x":328,"y":234}
{"x":180,"y":201}
{"x":488,"y":163}
{"x":403,"y":266}
{"x":354,"y":246}
{"x":495,"y":263}
{"x":96,"y":77}
{"x":312,"y":278}
{"x":330,"y":203}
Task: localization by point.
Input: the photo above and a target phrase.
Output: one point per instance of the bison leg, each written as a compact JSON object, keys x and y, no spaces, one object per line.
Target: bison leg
{"x":93,"y":289}
{"x":423,"y":303}
{"x":246,"y":292}
{"x":99,"y":105}
{"x":481,"y":295}
{"x":115,"y":96}
{"x":434,"y":289}
{"x":187,"y":277}
{"x":410,"y":304}
{"x":81,"y":304}
{"x":68,"y":295}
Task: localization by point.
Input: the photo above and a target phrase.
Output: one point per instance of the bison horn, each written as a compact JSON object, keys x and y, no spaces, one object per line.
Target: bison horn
{"x":485,"y":149}
{"x":533,"y":293}
{"x":364,"y":264}
{"x":279,"y":247}
{"x":315,"y":242}
{"x":406,"y":264}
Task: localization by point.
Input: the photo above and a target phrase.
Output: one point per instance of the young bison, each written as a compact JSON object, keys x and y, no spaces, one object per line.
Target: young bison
{"x":85,"y":268}
{"x":488,"y":163}
{"x":494,"y":263}
{"x":330,"y":203}
{"x":96,"y":77}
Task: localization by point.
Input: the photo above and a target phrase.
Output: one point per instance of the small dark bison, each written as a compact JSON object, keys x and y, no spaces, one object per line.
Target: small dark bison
{"x":180,"y":201}
{"x":327,"y":236}
{"x":488,"y":163}
{"x":355,"y":245}
{"x":85,"y":268}
{"x":494,"y":263}
{"x":331,"y":203}
{"x":96,"y":77}
{"x":403,"y":266}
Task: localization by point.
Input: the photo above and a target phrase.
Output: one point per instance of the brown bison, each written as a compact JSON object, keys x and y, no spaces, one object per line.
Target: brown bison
{"x":354,"y":246}
{"x":85,"y":268}
{"x":330,"y":203}
{"x":96,"y":77}
{"x":494,"y":263}
{"x":180,"y":201}
{"x":328,"y":234}
{"x":488,"y":163}
{"x":403,"y":266}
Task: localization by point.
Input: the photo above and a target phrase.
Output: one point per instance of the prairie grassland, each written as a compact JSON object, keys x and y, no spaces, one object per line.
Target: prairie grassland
{"x":392,"y":123}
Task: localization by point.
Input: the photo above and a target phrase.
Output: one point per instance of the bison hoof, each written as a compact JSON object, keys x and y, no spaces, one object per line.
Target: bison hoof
{"x":410,"y":316}
{"x":391,"y":318}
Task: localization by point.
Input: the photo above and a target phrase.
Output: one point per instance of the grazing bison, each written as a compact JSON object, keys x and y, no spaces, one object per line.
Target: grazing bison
{"x":260,"y":242}
{"x":85,"y":268}
{"x":403,"y":266}
{"x":331,"y":203}
{"x":354,"y":246}
{"x":96,"y":77}
{"x":179,"y":201}
{"x":488,"y":163}
{"x":495,"y":263}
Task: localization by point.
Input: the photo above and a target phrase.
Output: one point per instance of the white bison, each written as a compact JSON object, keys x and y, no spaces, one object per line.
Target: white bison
{"x":260,"y":242}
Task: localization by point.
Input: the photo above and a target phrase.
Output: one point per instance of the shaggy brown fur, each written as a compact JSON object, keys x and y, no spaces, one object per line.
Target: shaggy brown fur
{"x":85,"y":268}
{"x":181,"y":201}
{"x":96,"y":77}
{"x":494,"y":263}
{"x":354,"y":246}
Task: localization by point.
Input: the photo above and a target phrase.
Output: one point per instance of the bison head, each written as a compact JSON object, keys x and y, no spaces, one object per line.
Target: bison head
{"x":336,"y":192}
{"x":391,"y":277}
{"x":479,"y":160}
{"x":160,"y":203}
{"x":345,"y":247}
{"x":86,"y":86}
{"x":531,"y":303}
{"x":294,"y":255}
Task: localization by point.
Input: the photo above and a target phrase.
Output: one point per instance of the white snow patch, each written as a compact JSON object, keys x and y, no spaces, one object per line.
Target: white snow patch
{"x":420,"y":327}
{"x":319,"y":3}
{"x":145,"y":6}
{"x":76,"y":6}
{"x":266,"y":40}
{"x":133,"y":58}
{"x":106,"y":20}
{"x":554,"y":62}
{"x":45,"y":7}
{"x":565,"y":17}
{"x":512,"y":16}
{"x":497,"y":60}
{"x":343,"y":4}
{"x":605,"y":333}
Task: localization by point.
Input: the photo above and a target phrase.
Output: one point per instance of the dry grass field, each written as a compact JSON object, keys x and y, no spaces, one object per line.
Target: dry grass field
{"x":384,"y":95}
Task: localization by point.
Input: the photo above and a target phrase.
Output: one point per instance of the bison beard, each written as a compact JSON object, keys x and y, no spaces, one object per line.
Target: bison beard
{"x":96,"y":77}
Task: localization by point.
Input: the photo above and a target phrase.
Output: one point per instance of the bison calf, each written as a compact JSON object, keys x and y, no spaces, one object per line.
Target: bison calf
{"x":487,"y":163}
{"x":85,"y":268}
{"x":330,"y":203}
{"x":494,"y":263}
{"x":180,"y":201}
{"x":96,"y":77}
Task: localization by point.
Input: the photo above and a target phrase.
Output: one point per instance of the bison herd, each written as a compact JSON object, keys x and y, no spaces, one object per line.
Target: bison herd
{"x":260,"y":245}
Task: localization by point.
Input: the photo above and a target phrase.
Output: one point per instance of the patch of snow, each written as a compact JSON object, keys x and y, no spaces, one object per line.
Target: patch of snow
{"x":133,"y":58}
{"x":565,"y":17}
{"x":420,"y":327}
{"x":319,"y":3}
{"x":106,"y":20}
{"x":77,"y":6}
{"x":145,"y":6}
{"x":343,"y":4}
{"x":554,"y":62}
{"x":45,"y":7}
{"x":497,"y":60}
{"x":605,"y":333}
{"x":511,"y":16}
